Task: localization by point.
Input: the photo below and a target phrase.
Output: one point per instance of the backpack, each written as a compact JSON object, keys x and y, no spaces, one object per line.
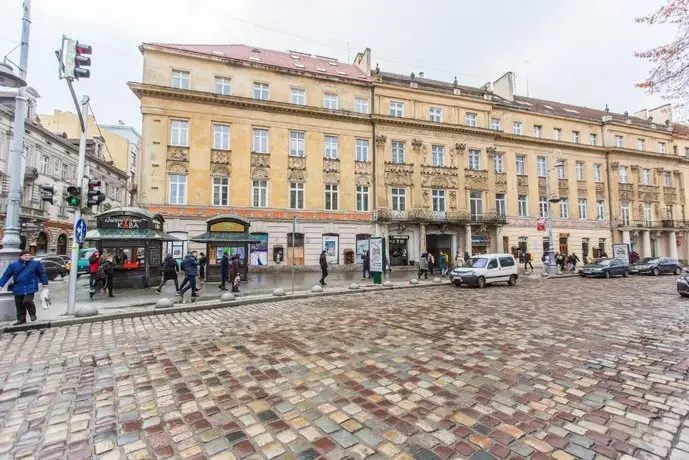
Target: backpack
{"x":543,"y":258}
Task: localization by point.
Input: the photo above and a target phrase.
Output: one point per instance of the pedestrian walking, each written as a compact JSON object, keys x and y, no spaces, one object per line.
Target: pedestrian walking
{"x":170,"y":270}
{"x":575,"y":261}
{"x":224,"y":270}
{"x":203,"y":263}
{"x":527,"y":261}
{"x":94,"y":263}
{"x":423,"y":266}
{"x":467,"y":256}
{"x":366,"y":263}
{"x":235,"y":274}
{"x":323,"y":261}
{"x":185,"y":281}
{"x":106,"y":267}
{"x":431,"y":260}
{"x":459,"y":260}
{"x":442,"y":264}
{"x":25,"y":274}
{"x":191,"y":270}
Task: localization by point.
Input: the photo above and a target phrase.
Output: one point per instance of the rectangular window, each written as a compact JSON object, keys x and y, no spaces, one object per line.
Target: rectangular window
{"x":686,"y":152}
{"x":221,"y":137}
{"x":579,"y":166}
{"x":362,"y":198}
{"x":640,"y":144}
{"x":57,"y":167}
{"x":362,"y":150}
{"x":521,"y":165}
{"x":537,"y":131}
{"x":63,"y":173}
{"x":181,"y":79}
{"x":523,"y":203}
{"x":499,"y":163}
{"x":648,"y":214}
{"x":501,"y":204}
{"x":179,"y":133}
{"x":667,"y":179}
{"x":396,"y":109}
{"x":330,"y":151}
{"x":397,"y":152}
{"x":564,"y":208}
{"x":542,"y":206}
{"x":399,"y":199}
{"x":600,"y":209}
{"x":260,"y":140}
{"x":646,"y":176}
{"x":583,"y":208}
{"x":619,"y":141}
{"x":438,"y":155}
{"x":517,"y":127}
{"x":435,"y":114}
{"x":298,"y":96}
{"x":438,"y":200}
{"x":668,"y":212}
{"x":661,"y":147}
{"x":296,"y":195}
{"x":474,"y":159}
{"x":476,"y":204}
{"x":360,"y":105}
{"x":177,"y":191}
{"x":593,"y":139}
{"x":541,"y":166}
{"x":495,"y":124}
{"x":470,"y":119}
{"x":622,"y":171}
{"x":221,"y":191}
{"x":331,"y":195}
{"x":297,"y":143}
{"x":598,"y":173}
{"x":557,"y":134}
{"x":45,"y":164}
{"x":261,"y":91}
{"x":223,"y":86}
{"x":626,"y":213}
{"x":331,"y":101}
{"x":561,"y":171}
{"x":259,"y":190}
{"x":575,"y":137}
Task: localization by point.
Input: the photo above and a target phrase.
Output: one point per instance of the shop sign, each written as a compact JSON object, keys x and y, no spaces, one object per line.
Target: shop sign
{"x":540,"y":224}
{"x":124,"y":222}
{"x":399,"y":239}
{"x":480,"y":240}
{"x":227,"y":226}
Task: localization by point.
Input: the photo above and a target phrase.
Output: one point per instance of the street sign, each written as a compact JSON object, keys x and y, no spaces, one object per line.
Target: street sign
{"x":80,"y":231}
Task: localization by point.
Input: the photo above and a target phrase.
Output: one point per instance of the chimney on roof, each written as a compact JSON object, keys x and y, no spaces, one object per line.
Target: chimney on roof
{"x":362,"y":61}
{"x":664,"y":112}
{"x":504,"y":86}
{"x":643,"y":114}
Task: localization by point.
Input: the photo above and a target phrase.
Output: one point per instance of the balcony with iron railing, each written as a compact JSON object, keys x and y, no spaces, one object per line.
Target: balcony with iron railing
{"x":28,"y":209}
{"x":419,"y":215}
{"x":670,"y":224}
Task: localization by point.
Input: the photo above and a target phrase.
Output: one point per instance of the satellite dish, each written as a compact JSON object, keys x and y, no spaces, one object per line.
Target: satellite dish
{"x":8,"y":78}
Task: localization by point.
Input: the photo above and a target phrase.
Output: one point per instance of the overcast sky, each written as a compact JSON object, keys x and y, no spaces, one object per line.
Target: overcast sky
{"x":580,"y":52}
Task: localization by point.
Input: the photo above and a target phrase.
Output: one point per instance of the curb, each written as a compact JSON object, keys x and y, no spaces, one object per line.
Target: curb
{"x":216,"y":304}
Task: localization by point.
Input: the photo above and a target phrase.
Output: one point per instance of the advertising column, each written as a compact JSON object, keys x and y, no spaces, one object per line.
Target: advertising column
{"x":377,"y":257}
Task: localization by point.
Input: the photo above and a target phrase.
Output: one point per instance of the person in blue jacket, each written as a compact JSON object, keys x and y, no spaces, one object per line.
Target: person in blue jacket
{"x":25,"y":274}
{"x":191,"y":269}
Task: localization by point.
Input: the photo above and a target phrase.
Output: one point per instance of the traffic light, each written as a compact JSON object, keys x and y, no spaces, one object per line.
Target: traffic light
{"x":47,"y":192}
{"x":81,"y":61}
{"x":74,"y":59}
{"x":95,"y":196}
{"x":73,"y":196}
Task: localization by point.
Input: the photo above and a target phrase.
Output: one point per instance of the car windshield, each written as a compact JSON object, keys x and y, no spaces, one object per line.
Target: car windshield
{"x":476,"y":262}
{"x":84,"y":253}
{"x":604,"y":262}
{"x":646,"y":260}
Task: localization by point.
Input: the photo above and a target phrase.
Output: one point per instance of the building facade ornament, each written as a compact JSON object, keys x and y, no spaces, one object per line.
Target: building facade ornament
{"x":381,"y":140}
{"x":177,"y":167}
{"x":296,"y":163}
{"x":177,"y":153}
{"x":416,"y":144}
{"x":220,"y":170}
{"x":399,"y":174}
{"x":220,"y":157}
{"x":330,"y":165}
{"x":260,"y":160}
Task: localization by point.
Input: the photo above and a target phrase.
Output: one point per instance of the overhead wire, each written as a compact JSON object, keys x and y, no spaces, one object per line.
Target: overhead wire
{"x":95,"y":121}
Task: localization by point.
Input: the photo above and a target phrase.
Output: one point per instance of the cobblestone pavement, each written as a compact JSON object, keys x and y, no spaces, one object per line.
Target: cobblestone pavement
{"x":426,"y":374}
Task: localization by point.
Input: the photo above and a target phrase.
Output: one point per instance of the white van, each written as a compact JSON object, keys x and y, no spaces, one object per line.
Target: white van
{"x":486,"y":269}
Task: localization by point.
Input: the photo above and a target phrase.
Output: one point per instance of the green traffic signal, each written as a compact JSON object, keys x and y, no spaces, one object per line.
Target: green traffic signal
{"x":72,"y":200}
{"x":73,"y":196}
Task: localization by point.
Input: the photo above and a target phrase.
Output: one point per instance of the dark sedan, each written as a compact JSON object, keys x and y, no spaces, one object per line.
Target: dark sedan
{"x":53,"y":269}
{"x":605,"y":268}
{"x":683,"y":284}
{"x":655,"y":266}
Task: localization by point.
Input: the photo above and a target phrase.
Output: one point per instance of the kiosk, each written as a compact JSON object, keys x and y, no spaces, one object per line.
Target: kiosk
{"x":226,"y":233}
{"x":134,"y":237}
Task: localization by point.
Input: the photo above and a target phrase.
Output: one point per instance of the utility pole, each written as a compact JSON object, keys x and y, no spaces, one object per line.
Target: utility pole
{"x":551,"y":269}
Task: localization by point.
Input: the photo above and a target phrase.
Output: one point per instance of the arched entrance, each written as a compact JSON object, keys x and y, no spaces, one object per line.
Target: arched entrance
{"x":41,"y":243}
{"x":62,"y":244}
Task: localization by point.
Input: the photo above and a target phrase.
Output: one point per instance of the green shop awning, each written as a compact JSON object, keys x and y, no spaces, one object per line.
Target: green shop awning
{"x":128,"y":234}
{"x":224,"y":237}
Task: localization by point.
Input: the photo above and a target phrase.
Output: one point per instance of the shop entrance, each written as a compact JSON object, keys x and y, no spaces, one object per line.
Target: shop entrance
{"x":437,"y":243}
{"x":564,"y":247}
{"x":399,"y":250}
{"x":479,"y":244}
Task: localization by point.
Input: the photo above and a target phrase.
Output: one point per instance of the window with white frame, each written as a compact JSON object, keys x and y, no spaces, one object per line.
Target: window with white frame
{"x":179,"y":133}
{"x":260,"y":141}
{"x":557,"y":134}
{"x":45,"y":164}
{"x":600,"y":210}
{"x":598,"y":173}
{"x":537,"y":131}
{"x":669,"y":212}
{"x":221,"y":191}
{"x":435,"y":114}
{"x":63,"y":173}
{"x":648,"y":214}
{"x":561,"y":170}
{"x":499,"y":162}
{"x":593,"y":139}
{"x":362,"y":198}
{"x":575,"y":137}
{"x":541,"y":167}
{"x":438,"y":200}
{"x":298,"y":96}
{"x":495,"y":124}
{"x":331,"y":147}
{"x":626,"y":213}
{"x":523,"y":203}
{"x":476,"y":203}
{"x":646,"y":176}
{"x":360,"y":105}
{"x":396,"y":109}
{"x":501,"y":204}
{"x":667,"y":179}
{"x":579,"y":167}
{"x":438,"y":155}
{"x":223,"y":86}
{"x":261,"y":91}
{"x":296,"y":195}
{"x":57,"y":167}
{"x":181,"y":79}
{"x":661,"y":147}
{"x":474,"y":159}
{"x":619,"y":141}
{"x":331,"y":101}
{"x":221,"y":137}
{"x":362,"y":150}
{"x":542,"y":206}
{"x":564,"y":208}
{"x":259,"y":192}
{"x":641,"y":144}
{"x":583,"y":208}
{"x":331,"y":195}
{"x":399,"y":199}
{"x":622,"y":172}
{"x":521,"y":165}
{"x":470,"y":119}
{"x":517,"y":127}
{"x":177,"y":189}
{"x":297,"y":141}
{"x":397,"y":151}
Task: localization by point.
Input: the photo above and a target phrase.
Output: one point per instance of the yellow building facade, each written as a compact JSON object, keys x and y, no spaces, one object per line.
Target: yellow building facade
{"x":349,"y":152}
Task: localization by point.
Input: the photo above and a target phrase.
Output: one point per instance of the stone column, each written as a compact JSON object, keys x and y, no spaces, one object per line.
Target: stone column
{"x":467,"y":238}
{"x":626,"y":237}
{"x":673,"y":244}
{"x":645,"y":243}
{"x":422,"y":240}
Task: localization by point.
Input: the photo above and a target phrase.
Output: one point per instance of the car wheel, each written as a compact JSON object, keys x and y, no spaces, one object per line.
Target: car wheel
{"x":457,"y":283}
{"x":626,"y":273}
{"x":678,"y":271}
{"x":684,"y":295}
{"x":656,"y":272}
{"x":481,"y":282}
{"x":512,"y":281}
{"x":607,"y":273}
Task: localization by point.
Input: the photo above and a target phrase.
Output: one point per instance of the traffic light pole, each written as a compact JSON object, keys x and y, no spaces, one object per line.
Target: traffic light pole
{"x":74,"y":267}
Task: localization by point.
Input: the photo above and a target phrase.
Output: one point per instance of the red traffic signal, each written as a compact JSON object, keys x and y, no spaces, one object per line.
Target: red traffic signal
{"x":81,"y":60}
{"x":83,"y":48}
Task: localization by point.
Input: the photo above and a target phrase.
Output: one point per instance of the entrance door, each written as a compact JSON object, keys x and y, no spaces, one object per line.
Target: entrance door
{"x":62,"y":244}
{"x":563,"y":245}
{"x":437,"y":243}
{"x":295,"y":249}
{"x":399,"y":250}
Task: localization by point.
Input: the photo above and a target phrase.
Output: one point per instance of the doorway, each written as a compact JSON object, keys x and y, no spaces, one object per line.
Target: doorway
{"x":437,"y":243}
{"x":564,"y":249}
{"x":295,"y":248}
{"x":62,"y":244}
{"x":399,"y":250}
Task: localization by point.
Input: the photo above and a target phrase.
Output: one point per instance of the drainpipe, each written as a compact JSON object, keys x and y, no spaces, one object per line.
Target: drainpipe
{"x":373,"y":159}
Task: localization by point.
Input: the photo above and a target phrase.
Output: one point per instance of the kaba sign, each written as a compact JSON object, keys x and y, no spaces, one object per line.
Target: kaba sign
{"x":124,"y":223}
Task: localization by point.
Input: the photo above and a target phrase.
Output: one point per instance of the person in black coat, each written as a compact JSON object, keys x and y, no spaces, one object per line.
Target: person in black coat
{"x":366,"y":259}
{"x":323,"y":261}
{"x":203,"y":262}
{"x":170,"y":270}
{"x":224,"y":270}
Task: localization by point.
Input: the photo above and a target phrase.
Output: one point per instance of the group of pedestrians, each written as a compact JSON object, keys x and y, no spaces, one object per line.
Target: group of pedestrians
{"x":194,"y":265}
{"x":564,"y":262}
{"x":427,"y":262}
{"x":100,"y":273}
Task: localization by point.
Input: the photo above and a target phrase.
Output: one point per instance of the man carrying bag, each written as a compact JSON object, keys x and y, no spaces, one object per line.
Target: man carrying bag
{"x":25,"y":274}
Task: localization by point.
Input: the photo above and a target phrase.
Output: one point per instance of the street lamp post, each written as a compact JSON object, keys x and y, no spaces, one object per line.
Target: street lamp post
{"x":551,"y":269}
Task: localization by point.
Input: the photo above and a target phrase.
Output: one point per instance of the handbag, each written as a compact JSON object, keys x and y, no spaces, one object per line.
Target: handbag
{"x":15,"y":277}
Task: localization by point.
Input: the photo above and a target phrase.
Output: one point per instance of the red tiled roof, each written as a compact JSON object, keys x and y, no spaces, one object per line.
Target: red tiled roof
{"x":292,"y":60}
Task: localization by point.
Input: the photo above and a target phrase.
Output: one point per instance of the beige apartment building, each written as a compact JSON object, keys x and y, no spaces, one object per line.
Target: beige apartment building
{"x":351,"y":152}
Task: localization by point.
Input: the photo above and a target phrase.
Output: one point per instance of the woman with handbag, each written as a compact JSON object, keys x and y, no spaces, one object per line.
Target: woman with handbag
{"x":25,"y":274}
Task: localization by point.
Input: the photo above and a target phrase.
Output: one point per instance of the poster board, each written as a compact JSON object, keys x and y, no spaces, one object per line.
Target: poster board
{"x":259,"y":251}
{"x":361,"y":246}
{"x":621,"y":251}
{"x":331,"y":246}
{"x":376,"y":254}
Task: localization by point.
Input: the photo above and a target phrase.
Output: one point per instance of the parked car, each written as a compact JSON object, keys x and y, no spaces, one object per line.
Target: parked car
{"x":53,"y":269}
{"x":655,"y":266}
{"x":605,"y":268}
{"x":486,"y":269}
{"x":55,"y":258}
{"x":683,"y":284}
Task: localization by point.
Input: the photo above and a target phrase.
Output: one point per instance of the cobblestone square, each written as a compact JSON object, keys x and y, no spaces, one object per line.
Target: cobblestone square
{"x":560,"y":369}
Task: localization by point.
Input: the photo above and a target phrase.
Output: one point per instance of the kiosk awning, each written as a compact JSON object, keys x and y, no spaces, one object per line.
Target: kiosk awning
{"x":224,"y":237}
{"x":129,"y":234}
